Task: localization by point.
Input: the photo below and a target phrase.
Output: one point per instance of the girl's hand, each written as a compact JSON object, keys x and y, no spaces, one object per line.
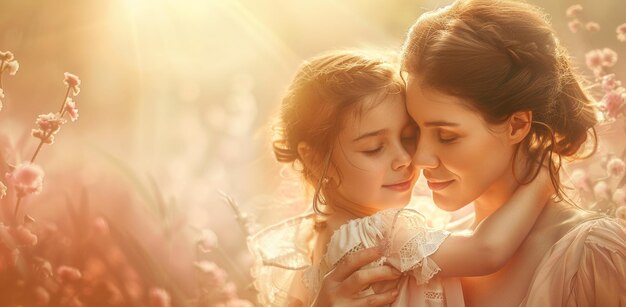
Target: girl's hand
{"x":340,"y":287}
{"x":543,"y":183}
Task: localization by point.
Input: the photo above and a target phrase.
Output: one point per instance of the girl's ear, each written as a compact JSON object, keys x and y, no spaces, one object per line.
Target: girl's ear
{"x":305,"y":153}
{"x":519,"y":126}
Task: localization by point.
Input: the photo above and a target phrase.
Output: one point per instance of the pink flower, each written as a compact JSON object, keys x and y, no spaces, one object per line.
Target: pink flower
{"x":574,"y":25}
{"x":73,"y":82}
{"x":48,"y":125}
{"x":592,"y":26}
{"x":619,"y":197}
{"x":594,"y":59}
{"x":616,"y":167}
{"x":620,"y":212}
{"x":601,"y":190}
{"x":6,"y":56}
{"x":68,"y":274}
{"x":609,"y":83}
{"x":609,"y":57}
{"x":159,"y":298}
{"x":574,"y":10}
{"x":613,"y":102}
{"x":621,"y":32}
{"x":27,"y":178}
{"x":40,"y":134}
{"x":24,"y":236}
{"x":70,"y":108}
{"x":100,"y":226}
{"x":207,"y":241}
{"x":13,"y":67}
{"x":3,"y":190}
{"x":580,"y":180}
{"x":42,"y":297}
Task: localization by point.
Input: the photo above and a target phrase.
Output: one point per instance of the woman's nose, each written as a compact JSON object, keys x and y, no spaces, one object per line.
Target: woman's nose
{"x":424,"y":157}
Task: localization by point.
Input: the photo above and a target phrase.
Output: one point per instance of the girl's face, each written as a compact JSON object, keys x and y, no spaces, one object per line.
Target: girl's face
{"x":373,"y":156}
{"x":461,"y":155}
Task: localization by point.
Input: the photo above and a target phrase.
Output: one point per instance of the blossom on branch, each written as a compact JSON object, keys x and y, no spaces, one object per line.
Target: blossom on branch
{"x":592,"y":26}
{"x":574,"y":10}
{"x":13,"y":67}
{"x":621,"y":32}
{"x":6,"y":56}
{"x":73,"y":82}
{"x":48,"y":125}
{"x":27,"y":178}
{"x":71,"y":109}
{"x":68,"y":274}
{"x":615,"y":167}
{"x":574,"y":25}
{"x":159,"y":298}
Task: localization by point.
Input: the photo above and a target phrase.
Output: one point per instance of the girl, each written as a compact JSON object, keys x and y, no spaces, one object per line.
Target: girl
{"x":476,"y":70}
{"x":344,"y":121}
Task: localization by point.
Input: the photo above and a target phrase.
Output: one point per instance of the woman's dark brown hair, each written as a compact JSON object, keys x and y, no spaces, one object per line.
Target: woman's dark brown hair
{"x":503,"y":57}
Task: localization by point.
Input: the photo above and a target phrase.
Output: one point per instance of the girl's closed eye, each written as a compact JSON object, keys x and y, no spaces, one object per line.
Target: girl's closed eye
{"x":374,"y":150}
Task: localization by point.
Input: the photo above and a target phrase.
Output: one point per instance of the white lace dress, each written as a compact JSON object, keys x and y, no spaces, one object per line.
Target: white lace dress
{"x":285,"y":276}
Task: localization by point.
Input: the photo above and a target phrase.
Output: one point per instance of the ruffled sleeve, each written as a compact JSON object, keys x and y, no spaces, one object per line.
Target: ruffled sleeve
{"x":408,"y":241}
{"x":587,"y":267}
{"x":281,"y":253}
{"x":411,"y":243}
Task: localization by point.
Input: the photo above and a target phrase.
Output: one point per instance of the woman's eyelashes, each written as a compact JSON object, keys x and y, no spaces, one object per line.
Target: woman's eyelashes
{"x":447,"y":137}
{"x":374,"y":151}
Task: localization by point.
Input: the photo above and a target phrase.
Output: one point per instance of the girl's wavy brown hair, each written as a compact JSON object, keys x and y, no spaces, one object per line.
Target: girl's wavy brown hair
{"x":323,"y":92}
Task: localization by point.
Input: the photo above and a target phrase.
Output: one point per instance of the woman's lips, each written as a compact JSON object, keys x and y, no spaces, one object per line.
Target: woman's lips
{"x":436,"y":186}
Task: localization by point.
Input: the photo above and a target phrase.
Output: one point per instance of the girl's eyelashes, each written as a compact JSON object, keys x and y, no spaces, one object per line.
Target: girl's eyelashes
{"x":373,"y":151}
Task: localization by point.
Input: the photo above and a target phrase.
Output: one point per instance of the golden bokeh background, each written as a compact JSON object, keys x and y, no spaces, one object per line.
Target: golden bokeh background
{"x":177,"y":98}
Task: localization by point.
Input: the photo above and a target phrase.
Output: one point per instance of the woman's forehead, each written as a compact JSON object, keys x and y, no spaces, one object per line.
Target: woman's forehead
{"x":429,"y":104}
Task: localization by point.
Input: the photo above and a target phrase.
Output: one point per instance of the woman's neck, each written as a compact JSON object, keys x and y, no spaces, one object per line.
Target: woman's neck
{"x":496,"y":195}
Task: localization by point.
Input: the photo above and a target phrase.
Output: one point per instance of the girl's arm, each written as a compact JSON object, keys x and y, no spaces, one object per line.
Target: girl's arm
{"x":498,"y":236}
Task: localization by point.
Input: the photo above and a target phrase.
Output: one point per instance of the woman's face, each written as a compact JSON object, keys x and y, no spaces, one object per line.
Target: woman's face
{"x":373,"y":155}
{"x":461,"y":155}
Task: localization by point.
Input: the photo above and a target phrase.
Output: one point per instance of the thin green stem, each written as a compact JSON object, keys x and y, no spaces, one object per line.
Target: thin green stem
{"x":1,"y":69}
{"x":17,"y":207}
{"x":62,"y":110}
{"x":46,"y":136}
{"x":39,"y":148}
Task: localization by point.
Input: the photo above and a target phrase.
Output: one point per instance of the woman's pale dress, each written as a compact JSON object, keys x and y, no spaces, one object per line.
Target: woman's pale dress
{"x":586,"y":267}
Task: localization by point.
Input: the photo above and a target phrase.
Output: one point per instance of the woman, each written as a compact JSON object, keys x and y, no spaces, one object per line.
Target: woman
{"x":479,"y":73}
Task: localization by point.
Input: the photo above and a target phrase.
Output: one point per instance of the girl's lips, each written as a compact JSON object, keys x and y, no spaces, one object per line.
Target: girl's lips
{"x":436,"y":186}
{"x":400,"y":187}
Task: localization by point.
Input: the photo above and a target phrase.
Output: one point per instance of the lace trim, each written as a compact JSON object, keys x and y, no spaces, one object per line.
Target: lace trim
{"x":434,"y":296}
{"x":353,"y":250}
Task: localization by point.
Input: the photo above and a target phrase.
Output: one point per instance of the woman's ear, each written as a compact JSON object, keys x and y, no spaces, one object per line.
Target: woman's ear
{"x":519,"y":126}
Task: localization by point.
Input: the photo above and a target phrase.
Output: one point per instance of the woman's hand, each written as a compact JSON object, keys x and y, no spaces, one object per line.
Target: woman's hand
{"x":341,"y":285}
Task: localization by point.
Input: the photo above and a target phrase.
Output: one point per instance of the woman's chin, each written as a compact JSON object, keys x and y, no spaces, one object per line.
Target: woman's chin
{"x":446,"y":203}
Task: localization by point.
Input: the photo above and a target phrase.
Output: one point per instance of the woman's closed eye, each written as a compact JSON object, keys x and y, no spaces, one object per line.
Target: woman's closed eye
{"x":447,"y":137}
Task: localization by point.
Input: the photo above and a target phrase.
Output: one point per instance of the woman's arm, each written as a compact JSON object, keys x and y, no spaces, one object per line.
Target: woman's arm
{"x":498,"y":236}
